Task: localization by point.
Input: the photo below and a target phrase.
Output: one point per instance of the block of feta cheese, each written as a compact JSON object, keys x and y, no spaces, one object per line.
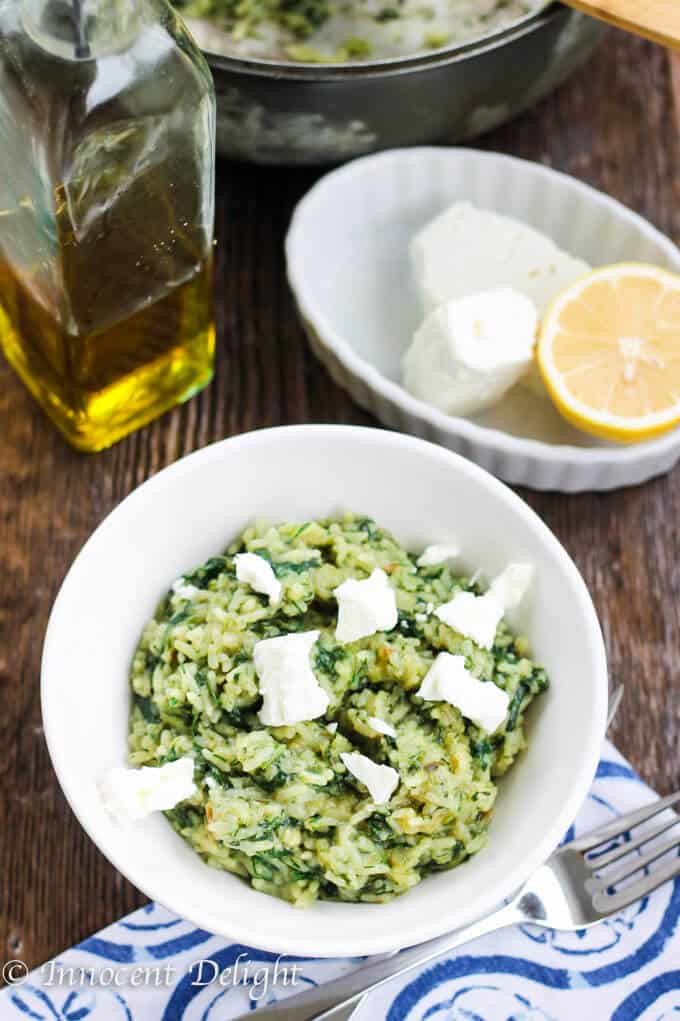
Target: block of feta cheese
{"x":466,"y":249}
{"x":470,"y":351}
{"x":132,"y":794}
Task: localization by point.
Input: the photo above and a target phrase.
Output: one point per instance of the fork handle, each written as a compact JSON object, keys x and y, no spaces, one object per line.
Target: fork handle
{"x":325,"y":1002}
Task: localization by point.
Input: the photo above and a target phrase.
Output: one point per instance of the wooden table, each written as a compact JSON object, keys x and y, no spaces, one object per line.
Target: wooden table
{"x":615,"y":126}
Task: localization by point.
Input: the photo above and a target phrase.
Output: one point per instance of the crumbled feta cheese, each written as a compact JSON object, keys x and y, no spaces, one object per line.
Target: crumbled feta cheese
{"x":365,"y":607}
{"x":288,"y":684}
{"x":184,"y":591}
{"x":448,"y":680}
{"x":466,"y":249}
{"x":258,"y":573}
{"x":433,"y":555}
{"x":420,"y":617}
{"x":132,"y":794}
{"x":333,"y":727}
{"x":510,"y":587}
{"x":470,"y":351}
{"x":380,"y":780}
{"x":381,"y":727}
{"x":478,"y":617}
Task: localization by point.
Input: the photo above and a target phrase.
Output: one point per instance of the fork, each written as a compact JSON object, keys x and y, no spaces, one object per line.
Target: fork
{"x":583,"y":883}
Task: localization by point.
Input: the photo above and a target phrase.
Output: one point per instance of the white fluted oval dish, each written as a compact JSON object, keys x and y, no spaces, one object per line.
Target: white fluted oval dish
{"x":347,"y":255}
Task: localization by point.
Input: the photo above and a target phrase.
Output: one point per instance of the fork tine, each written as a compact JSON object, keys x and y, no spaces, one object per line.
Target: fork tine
{"x":617,"y":827}
{"x":621,"y":850}
{"x":611,"y":903}
{"x":629,"y":868}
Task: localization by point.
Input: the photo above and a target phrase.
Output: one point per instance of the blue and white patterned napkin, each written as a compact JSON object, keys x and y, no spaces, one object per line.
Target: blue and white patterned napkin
{"x":152,"y":966}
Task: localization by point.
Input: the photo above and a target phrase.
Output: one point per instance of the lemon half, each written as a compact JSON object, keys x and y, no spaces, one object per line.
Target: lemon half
{"x":609,"y":352}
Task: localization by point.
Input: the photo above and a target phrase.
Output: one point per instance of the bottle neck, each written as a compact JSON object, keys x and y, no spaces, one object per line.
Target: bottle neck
{"x":82,"y":29}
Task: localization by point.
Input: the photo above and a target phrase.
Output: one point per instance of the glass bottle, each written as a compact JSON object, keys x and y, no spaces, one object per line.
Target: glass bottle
{"x":107,"y":156}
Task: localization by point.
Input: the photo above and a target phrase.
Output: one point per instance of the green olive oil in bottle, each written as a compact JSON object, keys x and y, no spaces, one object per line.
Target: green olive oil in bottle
{"x":107,"y":156}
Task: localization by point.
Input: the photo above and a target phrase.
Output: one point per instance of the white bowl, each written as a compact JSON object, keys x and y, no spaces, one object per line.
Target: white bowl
{"x":194,"y":509}
{"x":347,"y":252}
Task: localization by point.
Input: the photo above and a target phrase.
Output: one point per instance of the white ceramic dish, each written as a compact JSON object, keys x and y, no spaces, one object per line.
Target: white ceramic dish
{"x":347,"y":252}
{"x":194,"y":509}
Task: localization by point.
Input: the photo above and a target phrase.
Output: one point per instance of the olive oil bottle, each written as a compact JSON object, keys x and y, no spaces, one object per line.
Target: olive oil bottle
{"x":107,"y":154}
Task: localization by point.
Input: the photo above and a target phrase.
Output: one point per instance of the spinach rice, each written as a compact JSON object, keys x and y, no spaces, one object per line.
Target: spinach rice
{"x":328,"y":31}
{"x":276,"y":805}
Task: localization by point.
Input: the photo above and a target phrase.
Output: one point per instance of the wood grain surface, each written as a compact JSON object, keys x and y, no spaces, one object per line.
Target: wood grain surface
{"x":614,"y":126}
{"x":658,"y":20}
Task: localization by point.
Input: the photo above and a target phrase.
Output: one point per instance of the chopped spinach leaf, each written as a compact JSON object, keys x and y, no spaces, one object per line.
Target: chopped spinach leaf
{"x":327,"y":659}
{"x":151,"y":661}
{"x":261,"y":868}
{"x":515,"y":707}
{"x":147,"y":708}
{"x":210,"y":570}
{"x":182,"y":818}
{"x":284,"y":567}
{"x":382,"y":833}
{"x":233,"y":717}
{"x":279,"y":778}
{"x":369,"y":526}
{"x":538,"y":680}
{"x":483,"y":751}
{"x":408,"y":626}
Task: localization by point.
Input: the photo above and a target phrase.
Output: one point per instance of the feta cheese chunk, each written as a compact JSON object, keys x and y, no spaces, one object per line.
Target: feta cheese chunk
{"x":510,"y":587}
{"x":132,"y":794}
{"x":183,"y":590}
{"x":380,"y":780}
{"x":470,"y":351}
{"x":466,"y":249}
{"x":288,"y":684}
{"x":365,"y":607}
{"x":478,"y":617}
{"x":449,"y":680}
{"x":381,"y":727}
{"x":259,"y":574}
{"x":332,"y":727}
{"x":433,"y":555}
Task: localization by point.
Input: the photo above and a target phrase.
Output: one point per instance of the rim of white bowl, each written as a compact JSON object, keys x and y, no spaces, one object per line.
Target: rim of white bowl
{"x":296,"y":940}
{"x":357,"y":366}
